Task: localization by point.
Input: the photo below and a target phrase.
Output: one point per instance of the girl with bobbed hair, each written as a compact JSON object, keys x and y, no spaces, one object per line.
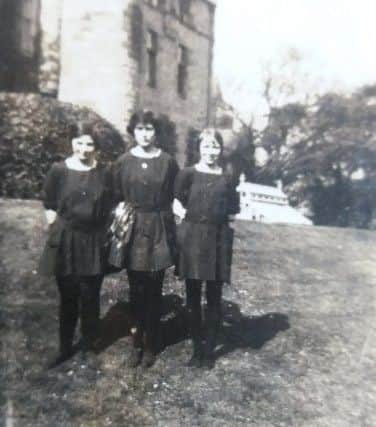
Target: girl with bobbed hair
{"x":77,"y":198}
{"x":206,"y":199}
{"x":144,"y":179}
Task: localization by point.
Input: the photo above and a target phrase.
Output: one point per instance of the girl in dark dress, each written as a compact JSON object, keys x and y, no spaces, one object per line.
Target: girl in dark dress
{"x":77,"y":199}
{"x":206,"y":198}
{"x":144,"y":178}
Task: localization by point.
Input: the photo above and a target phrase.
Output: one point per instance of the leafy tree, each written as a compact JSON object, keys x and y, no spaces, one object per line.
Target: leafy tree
{"x":317,"y":150}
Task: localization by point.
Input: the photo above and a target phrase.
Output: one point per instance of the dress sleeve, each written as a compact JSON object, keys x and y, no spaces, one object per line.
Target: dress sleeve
{"x":50,"y":188}
{"x":117,"y":184}
{"x":173,"y":174}
{"x":233,"y":197}
{"x":183,"y":185}
{"x":110,"y":201}
{"x":174,"y":169}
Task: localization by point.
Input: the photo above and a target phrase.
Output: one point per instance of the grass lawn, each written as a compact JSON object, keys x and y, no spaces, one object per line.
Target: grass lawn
{"x":297,"y":347}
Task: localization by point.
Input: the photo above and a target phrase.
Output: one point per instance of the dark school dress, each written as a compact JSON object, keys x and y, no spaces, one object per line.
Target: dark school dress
{"x":205,"y":238}
{"x":148,"y":185}
{"x":82,"y":200}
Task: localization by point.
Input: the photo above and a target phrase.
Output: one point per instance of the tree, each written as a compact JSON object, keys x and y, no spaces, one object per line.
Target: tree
{"x":317,"y":149}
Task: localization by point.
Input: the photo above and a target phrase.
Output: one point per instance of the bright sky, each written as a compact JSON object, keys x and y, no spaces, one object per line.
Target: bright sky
{"x":336,"y":40}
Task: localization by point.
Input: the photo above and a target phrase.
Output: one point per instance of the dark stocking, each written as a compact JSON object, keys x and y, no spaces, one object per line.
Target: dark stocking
{"x":90,"y":309}
{"x":68,"y":312}
{"x":153,"y":305}
{"x":145,"y":303}
{"x":193,"y":292}
{"x":213,"y":320}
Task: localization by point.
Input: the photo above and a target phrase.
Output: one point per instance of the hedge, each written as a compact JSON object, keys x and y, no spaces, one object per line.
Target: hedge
{"x":34,"y":134}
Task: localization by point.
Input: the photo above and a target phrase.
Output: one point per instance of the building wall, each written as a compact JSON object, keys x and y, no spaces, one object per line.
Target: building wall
{"x":104,"y":60}
{"x":49,"y":58}
{"x":94,"y":53}
{"x":95,"y":61}
{"x":196,"y":34}
{"x":19,"y":45}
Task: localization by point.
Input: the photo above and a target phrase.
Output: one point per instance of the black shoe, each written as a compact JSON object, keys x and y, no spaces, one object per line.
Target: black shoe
{"x":59,"y":359}
{"x":195,"y":361}
{"x":148,"y":359}
{"x":135,"y":357}
{"x":197,"y":355}
{"x":89,"y":359}
{"x":213,"y":321}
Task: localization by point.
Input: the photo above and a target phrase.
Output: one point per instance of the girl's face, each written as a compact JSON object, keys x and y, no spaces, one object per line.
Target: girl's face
{"x":144,"y":134}
{"x":210,"y":151}
{"x":84,"y":147}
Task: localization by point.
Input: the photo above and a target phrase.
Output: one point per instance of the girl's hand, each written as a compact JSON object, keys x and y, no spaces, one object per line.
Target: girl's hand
{"x":178,"y":210}
{"x":50,"y":216}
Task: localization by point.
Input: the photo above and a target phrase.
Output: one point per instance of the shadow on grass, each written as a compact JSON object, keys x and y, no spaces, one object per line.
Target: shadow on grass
{"x":118,"y":321}
{"x":238,"y":331}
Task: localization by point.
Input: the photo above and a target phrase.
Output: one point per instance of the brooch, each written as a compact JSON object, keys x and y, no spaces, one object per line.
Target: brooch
{"x":144,"y":165}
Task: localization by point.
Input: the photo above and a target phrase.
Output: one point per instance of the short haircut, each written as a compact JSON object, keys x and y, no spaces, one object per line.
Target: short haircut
{"x":80,"y":128}
{"x":210,"y":132}
{"x":144,"y":116}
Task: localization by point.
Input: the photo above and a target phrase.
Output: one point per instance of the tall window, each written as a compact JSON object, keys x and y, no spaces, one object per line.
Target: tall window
{"x":27,"y":26}
{"x":152,"y":50}
{"x":182,"y":71}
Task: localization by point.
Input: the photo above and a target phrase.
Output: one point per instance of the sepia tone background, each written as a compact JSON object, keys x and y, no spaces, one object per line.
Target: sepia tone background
{"x":291,"y":87}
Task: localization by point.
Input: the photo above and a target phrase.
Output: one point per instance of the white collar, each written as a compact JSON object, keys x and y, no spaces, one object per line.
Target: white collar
{"x":74,"y":164}
{"x":139,"y":152}
{"x":205,"y":169}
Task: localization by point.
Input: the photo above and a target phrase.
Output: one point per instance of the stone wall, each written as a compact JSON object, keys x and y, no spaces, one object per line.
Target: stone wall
{"x":196,"y":34}
{"x":94,"y":59}
{"x":93,"y":53}
{"x":104,"y":61}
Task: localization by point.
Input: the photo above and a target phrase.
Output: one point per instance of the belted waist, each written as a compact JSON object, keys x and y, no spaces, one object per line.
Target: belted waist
{"x":198,"y":219}
{"x":152,"y":209}
{"x":77,"y":226}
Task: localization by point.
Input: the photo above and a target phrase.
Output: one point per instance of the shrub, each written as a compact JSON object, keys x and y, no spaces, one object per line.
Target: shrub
{"x":34,"y":134}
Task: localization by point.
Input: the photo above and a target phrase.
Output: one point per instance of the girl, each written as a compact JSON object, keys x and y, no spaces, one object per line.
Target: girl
{"x":206,"y":198}
{"x":77,"y":199}
{"x":144,"y":178}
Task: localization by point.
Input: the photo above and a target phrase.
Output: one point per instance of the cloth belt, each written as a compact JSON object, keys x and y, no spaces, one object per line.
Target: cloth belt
{"x":152,"y":209}
{"x":197,"y":219}
{"x":74,"y":226}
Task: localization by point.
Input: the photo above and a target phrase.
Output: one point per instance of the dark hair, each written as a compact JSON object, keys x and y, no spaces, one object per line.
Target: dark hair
{"x":144,"y":116}
{"x":84,"y":128}
{"x":214,"y":134}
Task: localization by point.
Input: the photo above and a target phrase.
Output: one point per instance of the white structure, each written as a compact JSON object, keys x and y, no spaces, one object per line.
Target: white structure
{"x":267,"y":204}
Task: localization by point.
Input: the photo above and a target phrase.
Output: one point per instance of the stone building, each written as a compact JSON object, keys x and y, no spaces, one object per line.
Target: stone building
{"x":113,"y":56}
